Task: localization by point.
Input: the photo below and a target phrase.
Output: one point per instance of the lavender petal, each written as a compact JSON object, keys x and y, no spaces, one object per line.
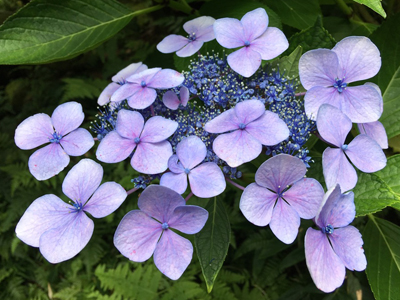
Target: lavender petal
{"x":33,"y":132}
{"x":67,"y":117}
{"x":207,"y":180}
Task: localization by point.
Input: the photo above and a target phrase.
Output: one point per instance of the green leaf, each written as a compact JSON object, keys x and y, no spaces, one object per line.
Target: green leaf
{"x":375,"y":5}
{"x":212,"y":242}
{"x":382,"y":249}
{"x":50,"y":30}
{"x":289,"y":65}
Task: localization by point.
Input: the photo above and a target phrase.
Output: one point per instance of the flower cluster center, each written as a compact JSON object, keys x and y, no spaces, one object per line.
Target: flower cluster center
{"x":164,"y":226}
{"x":56,"y":138}
{"x":192,"y":37}
{"x":340,"y":85}
{"x":328,"y":229}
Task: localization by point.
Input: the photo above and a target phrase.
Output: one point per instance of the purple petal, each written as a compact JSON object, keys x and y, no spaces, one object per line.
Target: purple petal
{"x":269,"y":129}
{"x":249,"y":110}
{"x":280,"y":171}
{"x":257,"y":203}
{"x":226,"y":121}
{"x":160,"y":202}
{"x":244,"y":61}
{"x":338,"y":170}
{"x":82,"y":180}
{"x":175,"y":165}
{"x":170,"y":100}
{"x":333,"y":125}
{"x":158,"y":129}
{"x":135,"y":68}
{"x":137,"y":235}
{"x":188,"y":219}
{"x":359,"y":58}
{"x":190,"y":49}
{"x":318,"y":68}
{"x":191,"y":151}
{"x":129,"y":124}
{"x":166,"y":79}
{"x":184,"y":95}
{"x":125,"y":91}
{"x":106,"y":94}
{"x":114,"y":148}
{"x":317,"y":96}
{"x":236,"y":148}
{"x":229,"y":33}
{"x":366,"y":154}
{"x":143,"y":77}
{"x":144,"y":97}
{"x":254,"y":23}
{"x":285,"y":222}
{"x":173,"y":254}
{"x":202,"y":27}
{"x":151,"y":158}
{"x":176,"y":182}
{"x":376,"y":131}
{"x":67,"y":117}
{"x":172,"y":43}
{"x":271,"y":44}
{"x":326,"y":268}
{"x":207,"y":180}
{"x":105,"y":200}
{"x":47,"y":162}
{"x":34,"y":131}
{"x":347,"y":243}
{"x":305,"y":197}
{"x":78,"y":142}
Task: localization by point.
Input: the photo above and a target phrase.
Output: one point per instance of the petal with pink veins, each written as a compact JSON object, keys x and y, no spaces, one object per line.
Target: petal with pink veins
{"x":129,"y":124}
{"x":249,"y":110}
{"x":285,"y":222}
{"x":188,"y":219}
{"x":202,"y":27}
{"x":270,"y":44}
{"x":158,"y":129}
{"x":134,"y":68}
{"x":376,"y":131}
{"x":191,"y":151}
{"x":176,"y":182}
{"x":254,"y":23}
{"x":207,"y":180}
{"x":171,"y":100}
{"x":67,"y":117}
{"x":226,"y":121}
{"x":143,"y":98}
{"x":172,"y":43}
{"x":114,"y":148}
{"x":229,"y":33}
{"x":244,"y":61}
{"x":151,"y":158}
{"x":125,"y":91}
{"x":34,"y":131}
{"x":166,"y":79}
{"x":78,"y":142}
{"x":190,"y":49}
{"x":106,"y":94}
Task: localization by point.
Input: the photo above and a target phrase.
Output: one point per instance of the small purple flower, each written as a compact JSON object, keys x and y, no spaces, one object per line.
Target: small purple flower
{"x":250,"y":126}
{"x":281,"y":196}
{"x":206,"y":180}
{"x":62,"y":230}
{"x":325,"y":74}
{"x":199,"y":30}
{"x":63,"y":134}
{"x":253,"y":34}
{"x":152,"y":149}
{"x":171,"y":100}
{"x":148,"y":230}
{"x":335,"y":246}
{"x":363,"y":151}
{"x":139,"y":89}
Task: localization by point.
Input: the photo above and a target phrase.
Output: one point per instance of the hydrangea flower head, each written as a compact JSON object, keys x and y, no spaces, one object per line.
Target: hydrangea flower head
{"x":336,"y":245}
{"x":281,"y":196}
{"x":63,"y":134}
{"x":206,"y":179}
{"x":199,"y":30}
{"x":250,"y":126}
{"x":325,"y":74}
{"x":171,"y":100}
{"x":148,"y":230}
{"x":62,"y":230}
{"x":258,"y":41}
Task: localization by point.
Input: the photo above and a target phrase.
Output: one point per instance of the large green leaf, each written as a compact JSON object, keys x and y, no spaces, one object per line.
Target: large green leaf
{"x":212,"y":241}
{"x":51,"y":30}
{"x":382,"y":249}
{"x":289,"y":65}
{"x":374,"y":5}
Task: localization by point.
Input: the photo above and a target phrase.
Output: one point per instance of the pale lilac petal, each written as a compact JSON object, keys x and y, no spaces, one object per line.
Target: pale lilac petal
{"x":34,"y":131}
{"x":254,"y":23}
{"x":376,"y":131}
{"x":173,"y":254}
{"x":105,"y":200}
{"x":190,"y":49}
{"x":172,"y":43}
{"x":333,"y":125}
{"x":280,"y":171}
{"x":143,"y":77}
{"x":244,"y":61}
{"x":46,"y":162}
{"x":271,"y":44}
{"x":82,"y":180}
{"x":67,"y":117}
{"x":129,"y":124}
{"x":202,"y":27}
{"x":191,"y":151}
{"x":114,"y":148}
{"x":151,"y":158}
{"x":338,"y":170}
{"x":176,"y":182}
{"x":144,"y":97}
{"x":207,"y":180}
{"x":171,"y":100}
{"x":249,"y":110}
{"x":376,"y":87}
{"x":166,"y":79}
{"x":43,"y":214}
{"x":347,"y":243}
{"x":175,"y":165}
{"x":366,"y":154}
{"x":135,"y":68}
{"x":236,"y":148}
{"x":285,"y":222}
{"x":160,"y":202}
{"x":326,"y":268}
{"x":106,"y":94}
{"x":359,"y":58}
{"x":158,"y":129}
{"x":125,"y":91}
{"x":257,"y":203}
{"x":137,"y":235}
{"x":64,"y":242}
{"x":78,"y":142}
{"x":269,"y":129}
{"x":226,"y":121}
{"x":305,"y":197}
{"x":317,"y":96}
{"x":188,"y":219}
{"x":184,"y":95}
{"x":318,"y":68}
{"x":229,"y":33}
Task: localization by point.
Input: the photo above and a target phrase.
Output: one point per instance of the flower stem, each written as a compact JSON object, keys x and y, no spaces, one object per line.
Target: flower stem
{"x":234,"y":183}
{"x":300,"y":94}
{"x":95,"y":139}
{"x":152,"y":110}
{"x":132,"y":191}
{"x":344,"y":8}
{"x":188,"y":196}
